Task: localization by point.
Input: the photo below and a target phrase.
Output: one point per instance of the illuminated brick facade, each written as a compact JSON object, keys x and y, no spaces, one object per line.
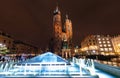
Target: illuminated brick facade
{"x":116,"y":43}
{"x":97,"y":44}
{"x":57,"y":30}
{"x":62,"y":34}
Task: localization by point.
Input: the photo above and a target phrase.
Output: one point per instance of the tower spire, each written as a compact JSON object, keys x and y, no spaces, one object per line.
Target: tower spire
{"x":56,"y":11}
{"x":66,"y":16}
{"x":57,"y":8}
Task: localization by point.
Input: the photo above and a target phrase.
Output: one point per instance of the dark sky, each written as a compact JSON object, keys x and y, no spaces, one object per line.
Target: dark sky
{"x":31,"y":20}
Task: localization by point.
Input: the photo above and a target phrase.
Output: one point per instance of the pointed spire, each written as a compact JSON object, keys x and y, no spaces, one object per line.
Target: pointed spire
{"x":66,"y":16}
{"x":57,"y":8}
{"x":56,"y":11}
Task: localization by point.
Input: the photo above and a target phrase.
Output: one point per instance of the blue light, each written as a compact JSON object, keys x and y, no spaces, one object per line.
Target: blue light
{"x":45,"y":65}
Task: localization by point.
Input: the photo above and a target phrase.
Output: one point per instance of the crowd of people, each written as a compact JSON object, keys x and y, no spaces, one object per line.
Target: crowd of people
{"x":7,"y":58}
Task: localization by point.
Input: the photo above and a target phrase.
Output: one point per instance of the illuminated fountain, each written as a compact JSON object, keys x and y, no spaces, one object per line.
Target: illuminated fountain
{"x":49,"y":65}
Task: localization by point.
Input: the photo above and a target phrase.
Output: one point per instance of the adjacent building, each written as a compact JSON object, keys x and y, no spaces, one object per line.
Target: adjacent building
{"x":6,"y":43}
{"x":14,"y":47}
{"x":89,"y":44}
{"x":24,"y":48}
{"x":97,"y":44}
{"x":116,"y":44}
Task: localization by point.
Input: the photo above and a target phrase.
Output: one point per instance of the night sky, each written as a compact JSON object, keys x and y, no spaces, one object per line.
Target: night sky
{"x":32,"y":20}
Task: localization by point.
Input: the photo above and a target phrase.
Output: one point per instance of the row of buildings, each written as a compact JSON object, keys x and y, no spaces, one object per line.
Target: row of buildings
{"x":101,"y":44}
{"x":10,"y":46}
{"x":90,"y":45}
{"x":61,"y":42}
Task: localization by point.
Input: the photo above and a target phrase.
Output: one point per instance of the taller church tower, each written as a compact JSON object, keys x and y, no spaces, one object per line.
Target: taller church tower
{"x":57,"y":31}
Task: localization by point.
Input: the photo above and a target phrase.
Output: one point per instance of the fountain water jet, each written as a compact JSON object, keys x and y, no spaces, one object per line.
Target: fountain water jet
{"x":48,"y":65}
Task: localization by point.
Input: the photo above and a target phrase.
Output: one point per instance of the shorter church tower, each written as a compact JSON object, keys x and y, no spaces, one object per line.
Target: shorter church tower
{"x":68,"y":26}
{"x":67,"y":38}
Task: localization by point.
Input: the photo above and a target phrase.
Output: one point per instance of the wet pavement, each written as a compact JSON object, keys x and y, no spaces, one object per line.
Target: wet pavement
{"x":103,"y":74}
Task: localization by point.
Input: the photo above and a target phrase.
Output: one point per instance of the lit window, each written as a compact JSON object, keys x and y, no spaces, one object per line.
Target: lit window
{"x":100,"y":42}
{"x":94,"y":51}
{"x":101,"y":49}
{"x":100,"y":45}
{"x":104,"y":42}
{"x":105,"y":45}
{"x":103,"y":39}
{"x":98,"y":35}
{"x":108,"y":41}
{"x":106,"y":49}
{"x":107,"y":38}
{"x":109,"y":45}
{"x":110,"y":49}
{"x":99,"y":39}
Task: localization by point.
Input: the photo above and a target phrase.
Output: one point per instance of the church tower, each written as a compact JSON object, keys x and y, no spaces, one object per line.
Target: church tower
{"x":67,"y":34}
{"x":62,"y":35}
{"x":68,"y":31}
{"x":57,"y":31}
{"x":67,"y":39}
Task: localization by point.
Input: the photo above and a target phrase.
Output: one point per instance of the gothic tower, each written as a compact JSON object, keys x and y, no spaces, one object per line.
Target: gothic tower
{"x":57,"y":31}
{"x":67,"y":39}
{"x":68,"y":31}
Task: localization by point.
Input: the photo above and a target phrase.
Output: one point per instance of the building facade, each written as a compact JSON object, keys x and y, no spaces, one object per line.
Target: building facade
{"x":97,"y":44}
{"x":24,"y":48}
{"x":62,"y":34}
{"x":6,"y":43}
{"x":89,"y":44}
{"x":116,"y":44}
